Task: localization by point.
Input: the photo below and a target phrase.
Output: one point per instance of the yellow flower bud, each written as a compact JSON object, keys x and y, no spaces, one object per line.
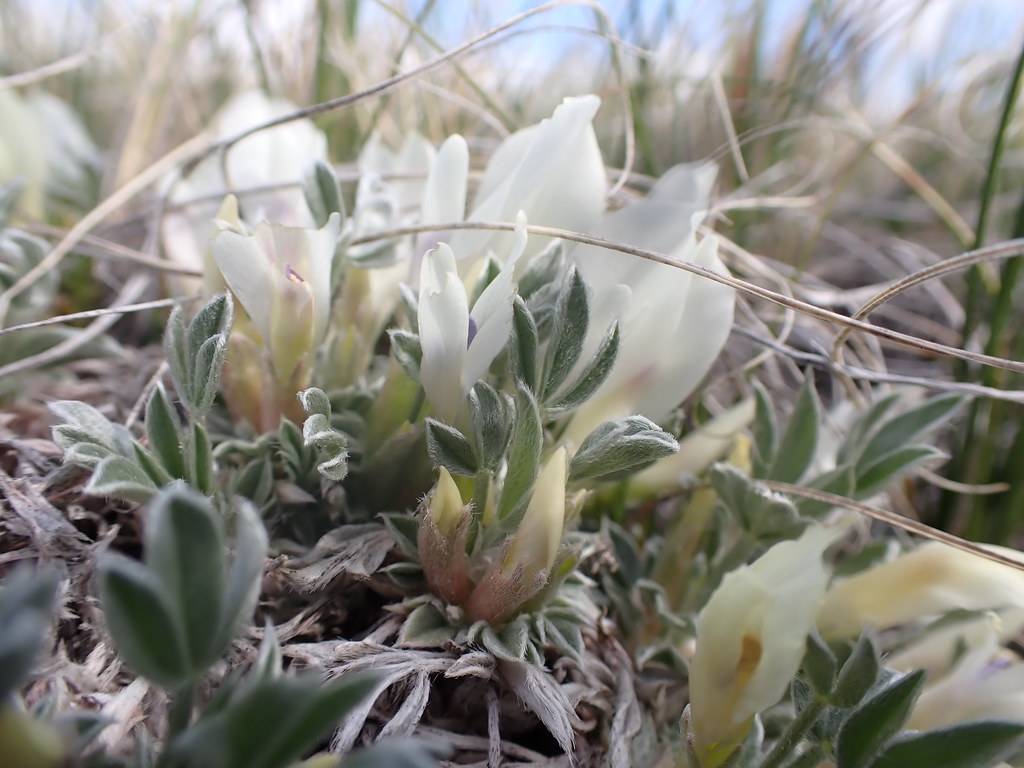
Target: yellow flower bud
{"x":535,"y":545}
{"x":446,"y":509}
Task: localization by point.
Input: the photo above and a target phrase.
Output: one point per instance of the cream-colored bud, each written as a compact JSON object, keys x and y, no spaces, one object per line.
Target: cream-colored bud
{"x":928,"y":581}
{"x":446,"y":509}
{"x":535,"y":544}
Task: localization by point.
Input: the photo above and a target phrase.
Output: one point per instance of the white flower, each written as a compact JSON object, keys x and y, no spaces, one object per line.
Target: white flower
{"x":399,"y":175}
{"x":928,"y":581}
{"x":282,"y":277}
{"x":417,"y":185}
{"x":22,"y":151}
{"x":986,"y":683}
{"x":70,"y":152}
{"x":673,"y":324}
{"x":750,"y":641}
{"x":458,"y":345}
{"x":937,"y":650}
{"x":277,"y":156}
{"x":552,"y":171}
{"x":444,"y":194}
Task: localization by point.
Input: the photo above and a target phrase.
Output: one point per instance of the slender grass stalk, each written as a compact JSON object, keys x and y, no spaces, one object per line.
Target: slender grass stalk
{"x":988,"y":191}
{"x":975,"y":454}
{"x":256,"y":49}
{"x":995,"y":414}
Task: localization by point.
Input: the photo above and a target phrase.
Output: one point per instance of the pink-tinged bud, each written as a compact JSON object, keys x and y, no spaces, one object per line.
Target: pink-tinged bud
{"x":524,"y":566}
{"x":442,"y":542}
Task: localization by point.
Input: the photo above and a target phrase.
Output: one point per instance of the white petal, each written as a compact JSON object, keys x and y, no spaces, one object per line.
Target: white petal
{"x":554,"y":173}
{"x":248,"y":272}
{"x":504,"y":160}
{"x":696,"y":341}
{"x":926,"y":582}
{"x":491,"y":336}
{"x":492,"y":316}
{"x":938,"y":650}
{"x":984,"y":685}
{"x":274,"y":156}
{"x":227,"y":217}
{"x":664,"y":221}
{"x":375,"y":157}
{"x":444,"y":198}
{"x":414,"y":160}
{"x":444,"y":327}
{"x":751,"y":636}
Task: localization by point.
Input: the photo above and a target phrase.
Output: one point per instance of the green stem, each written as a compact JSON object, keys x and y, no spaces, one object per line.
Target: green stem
{"x":256,"y":50}
{"x":974,"y":286}
{"x":1003,"y":310}
{"x":966,"y":465}
{"x":793,"y":734}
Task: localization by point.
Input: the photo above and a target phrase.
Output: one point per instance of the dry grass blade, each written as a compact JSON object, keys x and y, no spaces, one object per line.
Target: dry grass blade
{"x":946,"y":212}
{"x":834,"y":318}
{"x":997,"y":252}
{"x":131,"y":291}
{"x":722,"y":102}
{"x":895,"y":520}
{"x":89,"y":314}
{"x":969,"y":489}
{"x":57,"y":67}
{"x":108,"y":249}
{"x":857,"y":373}
{"x":490,"y":107}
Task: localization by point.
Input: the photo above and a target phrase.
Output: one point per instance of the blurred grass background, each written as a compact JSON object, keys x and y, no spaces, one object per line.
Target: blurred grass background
{"x":855,"y":138}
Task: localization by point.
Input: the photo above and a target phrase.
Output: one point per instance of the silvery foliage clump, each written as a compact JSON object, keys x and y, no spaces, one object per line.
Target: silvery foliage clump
{"x":20,"y":252}
{"x":481,"y":446}
{"x":172,"y":618}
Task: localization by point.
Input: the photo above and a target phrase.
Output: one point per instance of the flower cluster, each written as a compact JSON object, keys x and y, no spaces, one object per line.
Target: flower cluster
{"x":475,"y":425}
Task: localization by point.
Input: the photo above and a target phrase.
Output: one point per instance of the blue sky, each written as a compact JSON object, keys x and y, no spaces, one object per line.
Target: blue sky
{"x":943,"y":33}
